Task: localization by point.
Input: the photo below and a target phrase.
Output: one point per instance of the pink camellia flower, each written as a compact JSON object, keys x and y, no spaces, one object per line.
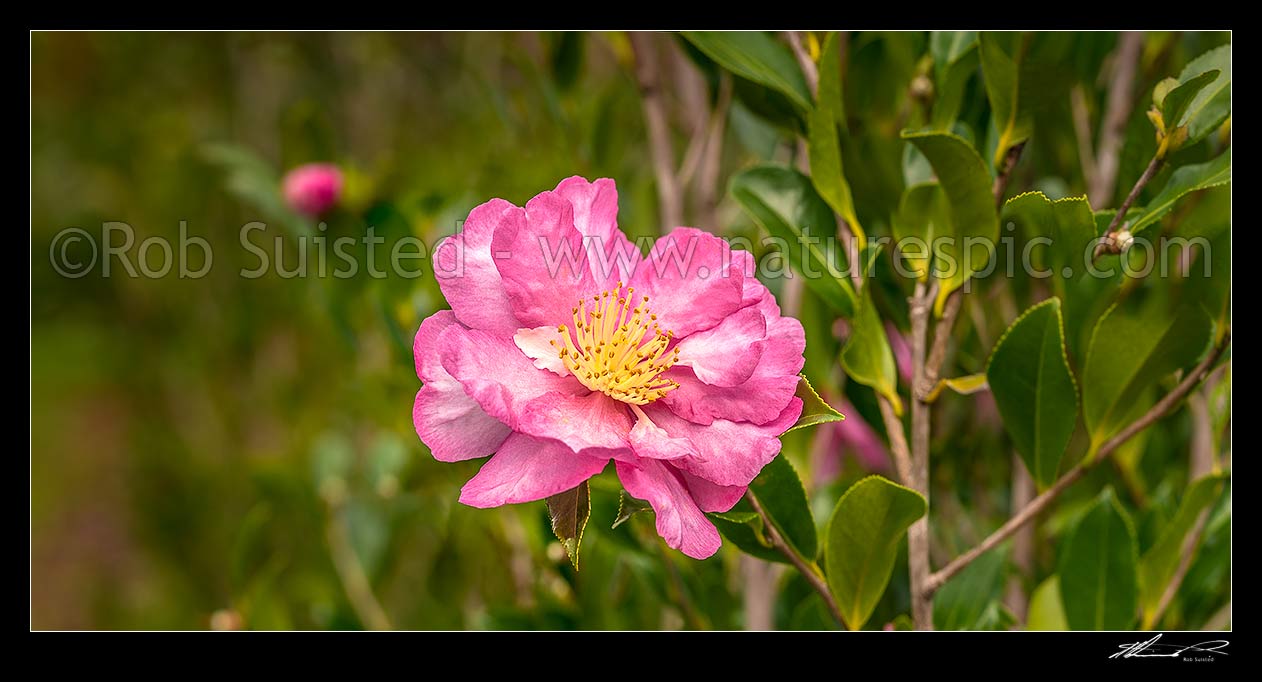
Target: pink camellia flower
{"x":313,"y":188}
{"x":566,"y":348}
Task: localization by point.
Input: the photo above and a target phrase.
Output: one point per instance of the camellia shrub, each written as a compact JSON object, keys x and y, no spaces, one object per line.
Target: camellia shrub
{"x":929,"y":288}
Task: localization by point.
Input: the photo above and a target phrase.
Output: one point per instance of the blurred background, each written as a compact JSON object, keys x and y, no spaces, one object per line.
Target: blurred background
{"x":226,"y":452}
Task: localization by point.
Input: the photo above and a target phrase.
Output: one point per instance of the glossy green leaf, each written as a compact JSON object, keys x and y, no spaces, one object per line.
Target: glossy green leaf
{"x":1176,"y":102}
{"x":1098,"y":582}
{"x":780,"y":491}
{"x":954,"y":60}
{"x":1212,"y":104}
{"x":974,"y":223}
{"x":814,"y":410}
{"x":1001,"y":68}
{"x":1212,"y":173}
{"x":1158,"y":565}
{"x":784,"y":203}
{"x":743,"y":527}
{"x":1034,"y":388}
{"x":867,"y":357}
{"x":758,"y":57}
{"x":1132,"y":348}
{"x":569,"y":512}
{"x":1066,"y":226}
{"x":922,"y":214}
{"x":864,"y":533}
{"x":1046,"y":611}
{"x":827,"y":172}
{"x":961,"y":602}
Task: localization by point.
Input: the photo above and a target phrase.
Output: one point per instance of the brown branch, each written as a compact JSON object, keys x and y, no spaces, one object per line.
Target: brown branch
{"x":918,"y":561}
{"x":898,"y":441}
{"x":1038,"y":504}
{"x":1004,"y":174}
{"x":1109,"y":243}
{"x":660,"y":148}
{"x":1116,"y":114}
{"x":937,"y":352}
{"x":809,"y":70}
{"x":1185,"y":563}
{"x":810,"y":572}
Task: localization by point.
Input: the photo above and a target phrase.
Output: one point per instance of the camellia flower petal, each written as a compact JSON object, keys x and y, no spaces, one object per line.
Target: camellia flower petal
{"x":566,"y":348}
{"x":313,"y":188}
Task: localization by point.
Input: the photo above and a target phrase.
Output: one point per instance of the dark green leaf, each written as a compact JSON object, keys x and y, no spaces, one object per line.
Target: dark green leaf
{"x":758,"y":57}
{"x":569,"y":512}
{"x":783,"y":202}
{"x":814,"y":410}
{"x":780,"y":491}
{"x":867,"y":357}
{"x":922,"y":215}
{"x":962,"y":601}
{"x":1001,"y":68}
{"x":629,"y":506}
{"x":1176,"y":102}
{"x":1212,"y":104}
{"x":827,"y":173}
{"x":954,"y":60}
{"x":964,"y":179}
{"x":1034,"y":388}
{"x":1132,"y":348}
{"x":1098,"y":582}
{"x":863,"y":537}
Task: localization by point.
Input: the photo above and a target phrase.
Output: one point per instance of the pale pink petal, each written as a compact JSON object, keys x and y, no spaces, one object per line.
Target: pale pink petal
{"x":537,"y":345}
{"x":652,"y":441}
{"x":858,"y":437}
{"x":543,"y":263}
{"x":711,"y":497}
{"x":611,"y":256}
{"x":527,"y":469}
{"x":465,"y":268}
{"x":727,"y":354}
{"x":496,"y":374}
{"x":447,"y":420}
{"x":679,"y":521}
{"x":727,"y":453}
{"x":688,"y":277}
{"x":592,"y":424}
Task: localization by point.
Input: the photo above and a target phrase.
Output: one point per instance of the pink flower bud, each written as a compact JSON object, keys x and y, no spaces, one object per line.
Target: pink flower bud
{"x":313,"y":188}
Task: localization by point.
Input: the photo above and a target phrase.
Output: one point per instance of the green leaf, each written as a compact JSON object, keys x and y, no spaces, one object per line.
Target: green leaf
{"x":1158,"y":565}
{"x":1216,"y":171}
{"x":783,"y":202}
{"x":863,"y":537}
{"x":965,"y":385}
{"x":1046,"y":611}
{"x":1176,"y":102}
{"x":922,"y":215}
{"x":569,"y":511}
{"x":962,"y":601}
{"x":758,"y":57}
{"x":743,"y":527}
{"x":1034,"y":388}
{"x":814,"y":410}
{"x":954,"y":60}
{"x":964,"y":179}
{"x":1098,"y":583}
{"x":1212,"y":104}
{"x":827,"y":173}
{"x":1001,"y":68}
{"x":867,"y":357}
{"x":629,"y":506}
{"x":1067,"y":227}
{"x":780,"y":491}
{"x":1132,"y":348}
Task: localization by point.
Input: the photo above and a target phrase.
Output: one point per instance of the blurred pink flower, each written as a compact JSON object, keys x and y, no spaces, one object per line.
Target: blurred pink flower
{"x":684,"y":376}
{"x":313,"y":188}
{"x":855,"y":436}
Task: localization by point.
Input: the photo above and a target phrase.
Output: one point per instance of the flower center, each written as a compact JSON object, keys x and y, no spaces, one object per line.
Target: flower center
{"x":609,"y":352}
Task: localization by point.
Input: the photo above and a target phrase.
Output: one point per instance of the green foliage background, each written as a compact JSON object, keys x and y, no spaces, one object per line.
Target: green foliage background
{"x":218,"y":451}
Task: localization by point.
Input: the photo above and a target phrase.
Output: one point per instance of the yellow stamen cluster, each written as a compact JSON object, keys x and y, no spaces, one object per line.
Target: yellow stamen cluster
{"x":608,"y":350}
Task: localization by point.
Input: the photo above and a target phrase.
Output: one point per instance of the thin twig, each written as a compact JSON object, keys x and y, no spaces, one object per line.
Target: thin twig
{"x":660,"y":148}
{"x":809,"y":570}
{"x":1004,"y":176}
{"x":1116,"y":114}
{"x":937,"y":352}
{"x":898,"y":441}
{"x":707,"y":184}
{"x":1109,"y":243}
{"x":918,"y":562}
{"x":1027,"y":514}
{"x":809,"y":70}
{"x":351,"y":573}
{"x":1185,"y":563}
